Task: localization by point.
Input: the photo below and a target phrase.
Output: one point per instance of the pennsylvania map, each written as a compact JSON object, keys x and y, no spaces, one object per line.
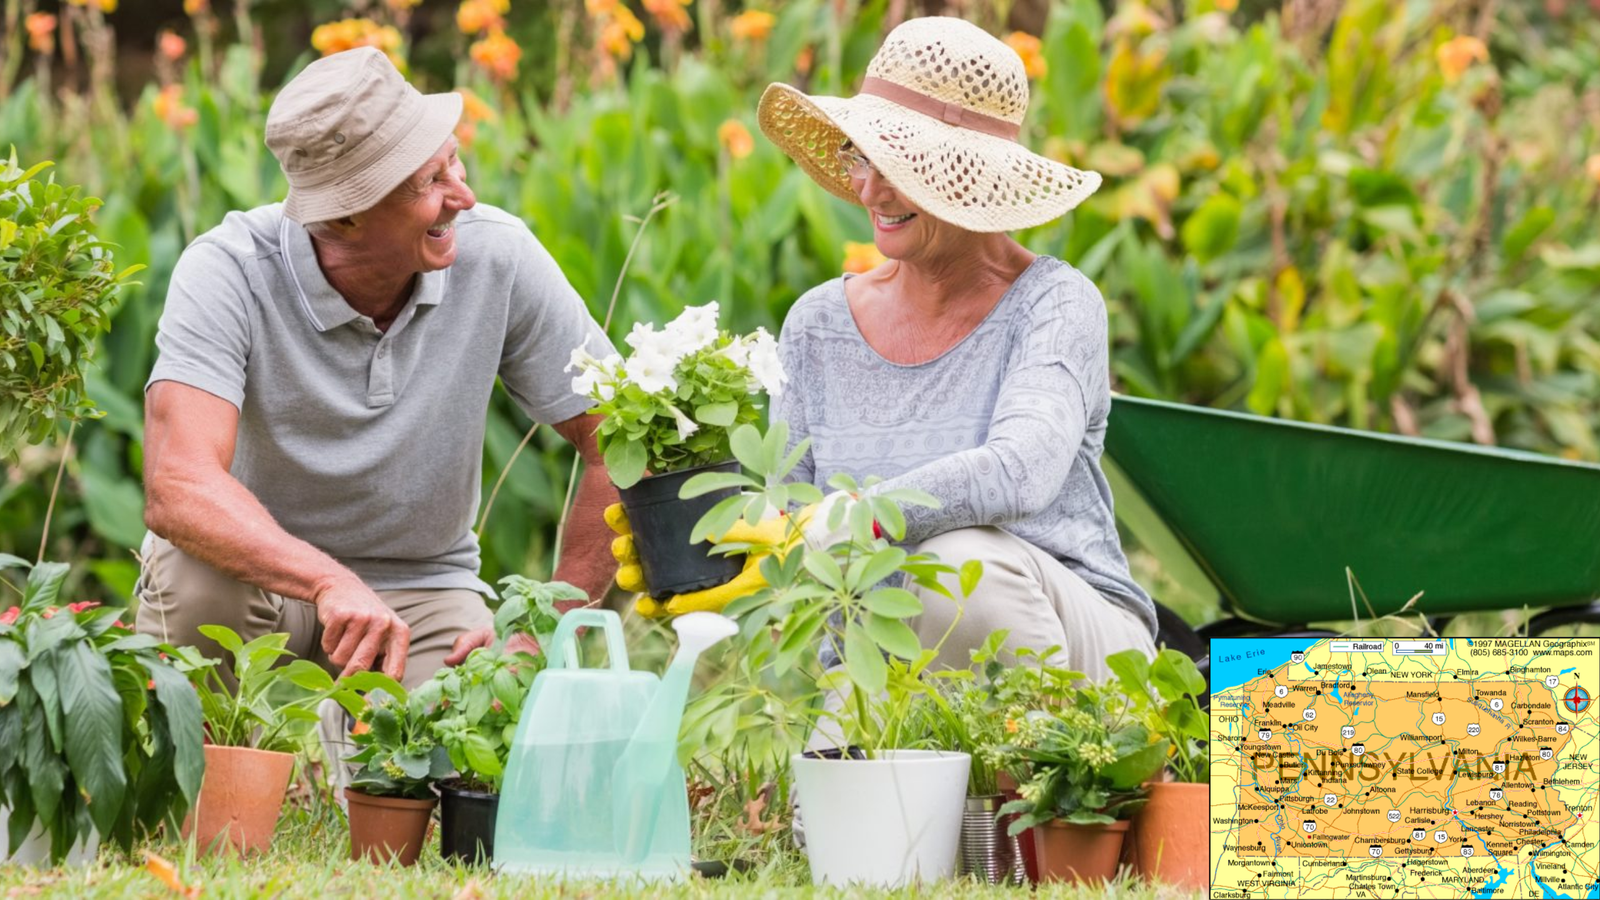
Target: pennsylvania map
{"x":1445,"y":767}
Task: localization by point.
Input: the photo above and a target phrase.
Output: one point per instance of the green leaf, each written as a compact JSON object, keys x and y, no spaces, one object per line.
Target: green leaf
{"x":720,"y":415}
{"x":895,"y":603}
{"x":12,"y":663}
{"x":92,"y":711}
{"x":1213,"y":229}
{"x":1132,"y":668}
{"x":185,"y":725}
{"x":706,"y":482}
{"x":869,"y":570}
{"x":225,"y":636}
{"x":625,"y":462}
{"x":825,"y":568}
{"x":894,"y":636}
{"x":44,"y":585}
{"x":1137,"y":767}
{"x":745,"y":441}
{"x":862,"y":661}
{"x":971,"y":574}
{"x":1175,"y":674}
{"x":1521,"y":236}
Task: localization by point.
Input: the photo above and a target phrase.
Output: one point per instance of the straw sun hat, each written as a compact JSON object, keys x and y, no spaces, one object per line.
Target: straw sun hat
{"x":938,"y":115}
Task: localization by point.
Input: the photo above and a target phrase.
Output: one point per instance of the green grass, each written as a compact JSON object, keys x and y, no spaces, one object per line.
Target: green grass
{"x":309,"y":858}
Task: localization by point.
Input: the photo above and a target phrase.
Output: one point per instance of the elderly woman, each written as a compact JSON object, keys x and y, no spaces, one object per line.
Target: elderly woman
{"x":965,"y":365}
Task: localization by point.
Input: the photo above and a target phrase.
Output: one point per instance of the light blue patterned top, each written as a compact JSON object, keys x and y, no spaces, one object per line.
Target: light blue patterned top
{"x":1005,"y":428}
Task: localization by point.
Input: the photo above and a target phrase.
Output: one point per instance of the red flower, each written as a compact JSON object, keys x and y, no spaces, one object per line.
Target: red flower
{"x":50,"y":612}
{"x":10,"y":615}
{"x":82,"y":605}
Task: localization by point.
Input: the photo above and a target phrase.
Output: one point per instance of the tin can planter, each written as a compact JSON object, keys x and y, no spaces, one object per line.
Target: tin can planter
{"x":1078,"y":854}
{"x":1170,"y":838}
{"x":662,"y":523}
{"x":385,"y":828}
{"x":240,"y":798}
{"x":466,"y":823}
{"x":988,"y":853}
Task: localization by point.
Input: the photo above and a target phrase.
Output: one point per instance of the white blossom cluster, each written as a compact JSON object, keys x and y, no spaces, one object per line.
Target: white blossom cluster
{"x":656,"y":355}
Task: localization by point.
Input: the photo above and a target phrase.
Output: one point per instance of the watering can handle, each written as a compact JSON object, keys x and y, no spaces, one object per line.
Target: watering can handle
{"x":564,"y":655}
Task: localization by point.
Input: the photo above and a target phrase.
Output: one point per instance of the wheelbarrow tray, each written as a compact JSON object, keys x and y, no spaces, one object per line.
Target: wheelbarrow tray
{"x":1274,"y":512}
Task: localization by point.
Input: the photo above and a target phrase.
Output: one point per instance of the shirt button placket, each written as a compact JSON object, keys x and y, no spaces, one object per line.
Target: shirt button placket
{"x":381,"y":383}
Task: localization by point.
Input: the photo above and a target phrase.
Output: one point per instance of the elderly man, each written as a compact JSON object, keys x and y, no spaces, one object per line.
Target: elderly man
{"x":314,"y":423}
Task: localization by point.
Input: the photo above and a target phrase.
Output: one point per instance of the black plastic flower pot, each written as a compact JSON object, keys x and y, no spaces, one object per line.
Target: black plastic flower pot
{"x":661,"y":526}
{"x":466,"y":823}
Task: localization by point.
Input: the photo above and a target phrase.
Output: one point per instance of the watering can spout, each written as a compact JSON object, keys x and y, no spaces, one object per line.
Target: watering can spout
{"x":640,"y":774}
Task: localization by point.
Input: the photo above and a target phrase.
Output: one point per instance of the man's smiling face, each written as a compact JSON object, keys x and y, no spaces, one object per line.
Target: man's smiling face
{"x":414,"y":224}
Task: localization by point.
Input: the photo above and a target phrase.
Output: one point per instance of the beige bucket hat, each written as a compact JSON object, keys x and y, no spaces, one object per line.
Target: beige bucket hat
{"x":349,"y":128}
{"x":938,"y":115}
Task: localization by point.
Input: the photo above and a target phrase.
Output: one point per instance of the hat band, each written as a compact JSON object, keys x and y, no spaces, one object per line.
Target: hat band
{"x":950,"y":113}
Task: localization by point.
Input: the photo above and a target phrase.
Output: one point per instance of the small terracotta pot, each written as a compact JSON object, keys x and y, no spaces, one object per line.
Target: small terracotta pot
{"x":1078,"y":853}
{"x":1025,"y":841}
{"x":1170,"y":840}
{"x":240,"y":798}
{"x":387,"y":827}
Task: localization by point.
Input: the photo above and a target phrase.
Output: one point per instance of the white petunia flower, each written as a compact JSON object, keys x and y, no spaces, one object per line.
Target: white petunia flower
{"x":651,"y":370}
{"x":764,"y":363}
{"x":694,"y":329}
{"x":581,"y":357}
{"x":738,"y":351}
{"x":686,"y":425}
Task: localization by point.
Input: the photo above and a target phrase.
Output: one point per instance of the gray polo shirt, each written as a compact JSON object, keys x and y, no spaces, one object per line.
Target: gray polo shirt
{"x":366,"y":444}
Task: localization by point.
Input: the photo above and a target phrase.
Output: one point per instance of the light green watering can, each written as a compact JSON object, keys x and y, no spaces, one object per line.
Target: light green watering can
{"x":593,"y":787}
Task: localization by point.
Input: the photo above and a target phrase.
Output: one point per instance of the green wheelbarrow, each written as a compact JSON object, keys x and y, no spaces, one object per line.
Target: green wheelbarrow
{"x":1274,"y":516}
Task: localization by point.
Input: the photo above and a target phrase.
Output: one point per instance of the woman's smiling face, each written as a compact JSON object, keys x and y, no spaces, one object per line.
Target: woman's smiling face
{"x":901,"y":229}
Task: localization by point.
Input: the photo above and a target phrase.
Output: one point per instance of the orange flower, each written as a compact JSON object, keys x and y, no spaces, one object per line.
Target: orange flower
{"x":752,"y":25}
{"x":862,"y":258}
{"x":167,"y":873}
{"x":497,"y":54}
{"x":1227,"y":6}
{"x":1027,"y":47}
{"x":669,"y":14}
{"x":736,"y":138}
{"x":169,"y":106}
{"x":1592,"y":166}
{"x":401,"y":5}
{"x":1458,"y":54}
{"x":473,"y":111}
{"x":474,"y":16}
{"x":172,"y":46}
{"x":803,"y":61}
{"x":196,"y":7}
{"x":41,"y":32}
{"x":346,"y":34}
{"x":599,"y":8}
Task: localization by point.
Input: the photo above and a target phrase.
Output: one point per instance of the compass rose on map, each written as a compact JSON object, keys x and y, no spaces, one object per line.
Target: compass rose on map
{"x":1577,"y":699}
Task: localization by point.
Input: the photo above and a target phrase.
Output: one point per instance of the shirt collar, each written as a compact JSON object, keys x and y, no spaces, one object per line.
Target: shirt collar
{"x":324,"y":306}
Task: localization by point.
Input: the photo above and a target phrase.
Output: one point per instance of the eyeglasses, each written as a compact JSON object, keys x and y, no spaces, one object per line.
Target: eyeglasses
{"x":856,"y":165}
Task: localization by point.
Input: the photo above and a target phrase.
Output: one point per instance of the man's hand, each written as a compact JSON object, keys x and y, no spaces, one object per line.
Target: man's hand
{"x":772,"y":535}
{"x":484,"y":637}
{"x":357,"y":627}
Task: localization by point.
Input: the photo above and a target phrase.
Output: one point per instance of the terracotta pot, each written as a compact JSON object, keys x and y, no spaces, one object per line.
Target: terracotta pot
{"x":382,"y":828}
{"x":240,"y":798}
{"x":1170,"y":840}
{"x":1025,"y":841}
{"x":1078,"y":853}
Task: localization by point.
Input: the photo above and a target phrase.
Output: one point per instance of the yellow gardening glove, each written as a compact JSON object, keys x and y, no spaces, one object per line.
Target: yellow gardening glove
{"x":773,"y":532}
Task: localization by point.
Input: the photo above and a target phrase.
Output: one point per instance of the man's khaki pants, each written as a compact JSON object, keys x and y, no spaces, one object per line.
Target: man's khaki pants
{"x":179,"y":593}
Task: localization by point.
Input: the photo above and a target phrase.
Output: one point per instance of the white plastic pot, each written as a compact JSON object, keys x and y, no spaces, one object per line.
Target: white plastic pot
{"x":35,"y":849}
{"x":883,"y":822}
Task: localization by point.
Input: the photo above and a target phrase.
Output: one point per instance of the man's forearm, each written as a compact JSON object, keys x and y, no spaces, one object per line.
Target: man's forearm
{"x":586,"y":559}
{"x":215,"y":519}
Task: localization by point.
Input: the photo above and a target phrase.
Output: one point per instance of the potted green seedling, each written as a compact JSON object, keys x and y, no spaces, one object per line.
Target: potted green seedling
{"x":668,"y":410}
{"x":879,"y":812}
{"x":1087,"y":762}
{"x":255,"y":726}
{"x":100,"y":738}
{"x":390,"y":797}
{"x":1169,"y":839}
{"x":477,"y":704}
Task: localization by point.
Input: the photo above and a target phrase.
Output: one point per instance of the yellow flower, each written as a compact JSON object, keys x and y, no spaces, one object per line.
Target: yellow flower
{"x":474,"y":16}
{"x":598,"y":8}
{"x":497,"y":54}
{"x":752,"y":25}
{"x":621,"y":33}
{"x":1458,"y":54}
{"x":1592,"y":166}
{"x":669,"y":14}
{"x":346,"y":34}
{"x":736,"y":138}
{"x":862,"y":258}
{"x":168,"y":105}
{"x":1027,"y":47}
{"x":1011,"y":726}
{"x":105,"y":6}
{"x":401,"y":5}
{"x":196,"y":7}
{"x":1227,"y":6}
{"x":41,"y":29}
{"x":172,"y":46}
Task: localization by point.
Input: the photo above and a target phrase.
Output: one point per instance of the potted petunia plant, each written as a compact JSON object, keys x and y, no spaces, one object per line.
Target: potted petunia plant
{"x":668,"y":410}
{"x":100,"y":737}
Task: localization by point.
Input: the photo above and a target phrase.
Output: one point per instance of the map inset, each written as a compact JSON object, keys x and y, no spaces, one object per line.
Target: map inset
{"x":1448,"y":767}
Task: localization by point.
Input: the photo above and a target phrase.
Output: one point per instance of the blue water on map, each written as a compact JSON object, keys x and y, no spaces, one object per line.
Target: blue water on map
{"x":1235,"y":661}
{"x":1488,"y":890}
{"x":1565,"y":671}
{"x":1533,"y":869}
{"x":1336,"y":688}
